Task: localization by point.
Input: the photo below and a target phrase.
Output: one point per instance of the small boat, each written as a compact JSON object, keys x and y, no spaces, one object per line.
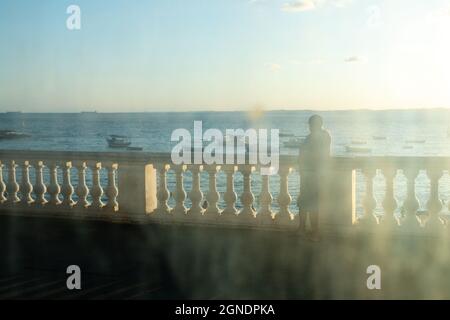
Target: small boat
{"x":135,"y":148}
{"x":11,"y":135}
{"x":379,"y":138}
{"x":359,"y":142}
{"x":351,"y":149}
{"x":294,"y":143}
{"x":415,"y":141}
{"x":116,"y":141}
{"x":286,"y":135}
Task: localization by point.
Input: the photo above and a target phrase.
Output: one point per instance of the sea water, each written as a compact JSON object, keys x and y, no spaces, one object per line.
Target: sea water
{"x":152,"y":132}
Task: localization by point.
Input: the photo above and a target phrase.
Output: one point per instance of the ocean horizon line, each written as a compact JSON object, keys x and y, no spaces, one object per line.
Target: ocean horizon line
{"x":235,"y":110}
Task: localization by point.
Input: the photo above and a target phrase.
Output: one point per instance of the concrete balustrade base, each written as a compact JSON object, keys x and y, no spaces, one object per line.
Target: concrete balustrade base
{"x":137,"y":186}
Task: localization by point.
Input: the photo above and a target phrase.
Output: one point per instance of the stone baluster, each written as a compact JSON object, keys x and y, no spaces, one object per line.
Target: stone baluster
{"x":213,"y":196}
{"x":180,"y":193}
{"x":54,"y":188}
{"x":411,"y":204}
{"x":2,"y":186}
{"x":369,"y":203}
{"x":82,"y":189}
{"x":389,"y":202}
{"x":434,"y":204}
{"x":111,"y":190}
{"x":247,"y":197}
{"x":230,"y":196}
{"x":67,"y":189}
{"x":97,"y":190}
{"x":163,"y":193}
{"x":12,"y":187}
{"x":265,"y":213}
{"x":284,"y":198}
{"x":196,"y":194}
{"x":40,"y":188}
{"x":26,"y":187}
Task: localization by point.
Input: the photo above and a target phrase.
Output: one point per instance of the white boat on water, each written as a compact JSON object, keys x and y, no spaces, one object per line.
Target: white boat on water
{"x":135,"y":148}
{"x":294,"y":143}
{"x":352,"y":149}
{"x":359,"y":142}
{"x":116,"y":141}
{"x":11,"y":135}
{"x":286,"y":135}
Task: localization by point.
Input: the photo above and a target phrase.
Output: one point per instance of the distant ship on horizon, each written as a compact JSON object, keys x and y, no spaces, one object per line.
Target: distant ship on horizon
{"x":88,"y":112}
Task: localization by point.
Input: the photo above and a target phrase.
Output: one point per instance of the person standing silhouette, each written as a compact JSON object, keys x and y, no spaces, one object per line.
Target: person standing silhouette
{"x":314,"y":161}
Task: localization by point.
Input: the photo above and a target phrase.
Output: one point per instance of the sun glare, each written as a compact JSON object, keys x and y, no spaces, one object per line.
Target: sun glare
{"x":418,"y":68}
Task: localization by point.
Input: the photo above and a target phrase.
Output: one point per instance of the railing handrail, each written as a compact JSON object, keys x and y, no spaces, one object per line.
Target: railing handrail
{"x":337,"y":162}
{"x":135,"y":157}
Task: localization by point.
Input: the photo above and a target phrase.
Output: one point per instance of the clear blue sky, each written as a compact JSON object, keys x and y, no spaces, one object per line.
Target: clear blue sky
{"x":179,"y":55}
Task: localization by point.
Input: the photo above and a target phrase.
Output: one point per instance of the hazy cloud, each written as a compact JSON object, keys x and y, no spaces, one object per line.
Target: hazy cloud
{"x":299,"y":5}
{"x":307,"y":5}
{"x":440,"y":14}
{"x":341,"y":3}
{"x":355,"y":59}
{"x":274,"y":67}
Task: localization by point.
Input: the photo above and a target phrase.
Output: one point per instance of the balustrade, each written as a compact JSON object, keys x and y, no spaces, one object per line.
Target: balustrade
{"x":2,"y":186}
{"x":196,"y":194}
{"x":180,"y":193}
{"x":247,"y":197}
{"x":411,"y":204}
{"x":434,"y":204}
{"x":40,"y":188}
{"x":368,"y":219}
{"x":389,"y":203}
{"x":284,"y":198}
{"x":67,"y":188}
{"x":265,"y":214}
{"x":230,"y":195}
{"x":213,"y":196}
{"x":54,"y":188}
{"x":82,"y":189}
{"x":68,"y":183}
{"x":163,"y":193}
{"x":97,"y":190}
{"x":48,"y":193}
{"x":26,"y":187}
{"x":12,"y":187}
{"x":111,"y":190}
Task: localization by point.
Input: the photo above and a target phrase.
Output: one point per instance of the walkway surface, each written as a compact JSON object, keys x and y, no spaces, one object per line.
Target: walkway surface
{"x":175,"y":262}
